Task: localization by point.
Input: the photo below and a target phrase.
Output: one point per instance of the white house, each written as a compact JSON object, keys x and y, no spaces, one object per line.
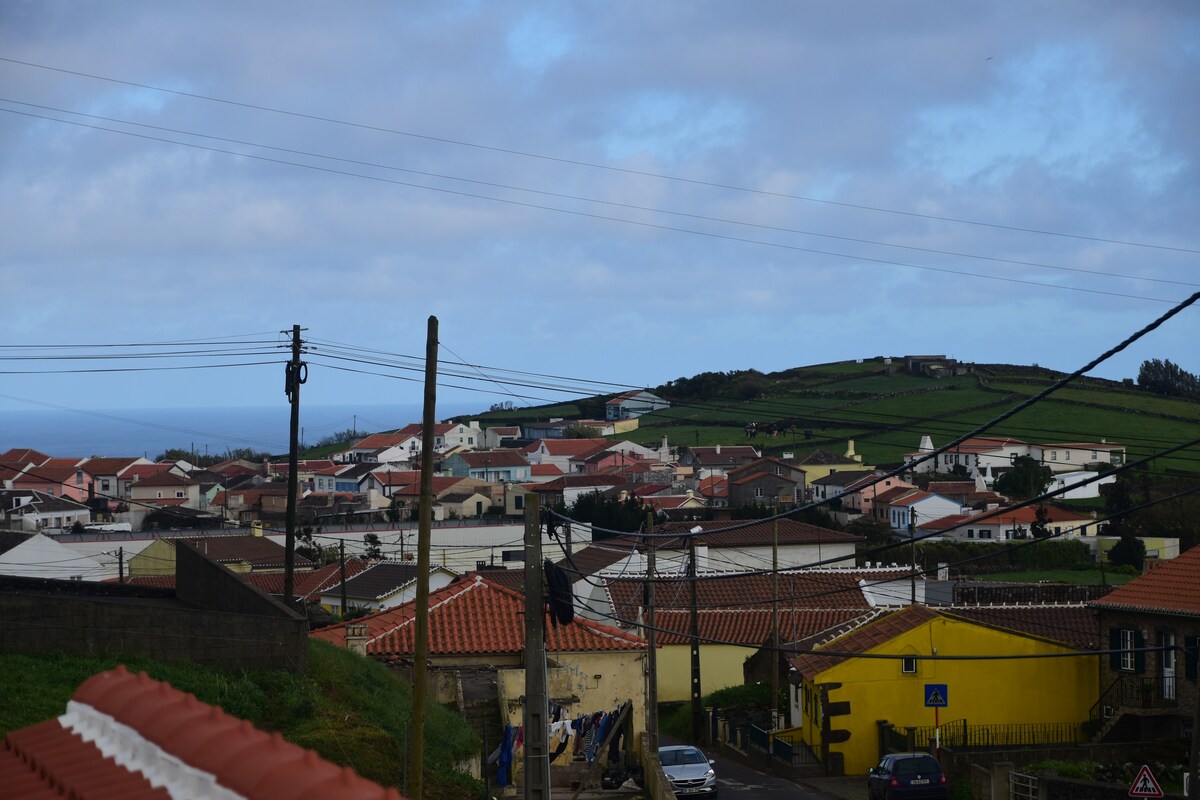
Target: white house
{"x":1071,"y":456}
{"x":632,"y":405}
{"x":1064,"y":479}
{"x":35,"y":555}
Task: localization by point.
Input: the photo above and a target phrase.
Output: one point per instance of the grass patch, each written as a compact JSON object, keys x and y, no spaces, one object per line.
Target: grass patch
{"x":1089,"y":577}
{"x":353,"y":711}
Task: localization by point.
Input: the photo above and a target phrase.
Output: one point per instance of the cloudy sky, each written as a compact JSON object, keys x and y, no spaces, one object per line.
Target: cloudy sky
{"x":618,"y":192}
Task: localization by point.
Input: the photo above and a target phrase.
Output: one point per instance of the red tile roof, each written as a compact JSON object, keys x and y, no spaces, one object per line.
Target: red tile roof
{"x":804,"y":589}
{"x":749,"y":626}
{"x":108,"y":466}
{"x":382,"y":441}
{"x":475,"y":616}
{"x":567,"y":447}
{"x":495,"y":458}
{"x":1172,"y":588}
{"x":1073,"y":625}
{"x":541,"y":470}
{"x":864,"y":639}
{"x":155,"y":732}
{"x":23,"y":455}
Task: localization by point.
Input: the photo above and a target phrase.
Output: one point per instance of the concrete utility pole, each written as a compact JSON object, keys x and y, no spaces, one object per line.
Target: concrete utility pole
{"x":912,"y":552}
{"x":537,"y":728}
{"x":651,"y":641}
{"x":420,"y":684}
{"x":697,"y":700}
{"x":295,"y":373}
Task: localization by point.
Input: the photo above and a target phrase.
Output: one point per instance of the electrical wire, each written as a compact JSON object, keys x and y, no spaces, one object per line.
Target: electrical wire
{"x":591,"y":165}
{"x":596,"y":216}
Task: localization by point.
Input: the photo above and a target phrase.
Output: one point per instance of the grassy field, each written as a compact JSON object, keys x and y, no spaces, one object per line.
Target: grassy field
{"x":1082,"y":577}
{"x":351,"y":710}
{"x":826,"y":404}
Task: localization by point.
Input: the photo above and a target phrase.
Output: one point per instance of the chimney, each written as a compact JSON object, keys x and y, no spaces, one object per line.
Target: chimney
{"x":356,"y":638}
{"x":850,"y":454}
{"x":926,"y":444}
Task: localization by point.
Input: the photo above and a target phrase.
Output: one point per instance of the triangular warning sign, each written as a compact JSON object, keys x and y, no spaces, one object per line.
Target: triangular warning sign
{"x":1144,"y":785}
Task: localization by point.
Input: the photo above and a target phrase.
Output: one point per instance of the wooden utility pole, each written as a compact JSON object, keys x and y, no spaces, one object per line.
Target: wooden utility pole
{"x":697,"y":700}
{"x":537,"y":727}
{"x":651,"y":641}
{"x":774,"y":617}
{"x":420,"y":684}
{"x":295,"y":373}
{"x":342,"y":571}
{"x":121,"y":564}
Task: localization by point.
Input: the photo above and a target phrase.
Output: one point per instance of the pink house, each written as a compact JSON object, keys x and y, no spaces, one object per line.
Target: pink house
{"x":73,"y":483}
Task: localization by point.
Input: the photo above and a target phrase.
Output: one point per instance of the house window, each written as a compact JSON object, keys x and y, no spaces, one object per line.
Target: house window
{"x":519,"y":501}
{"x":179,"y":493}
{"x":908,"y":665}
{"x":1066,"y":455}
{"x":1126,"y":649}
{"x":158,"y":494}
{"x":512,"y":555}
{"x":1095,"y":455}
{"x":1054,"y":455}
{"x":758,"y":492}
{"x":970,"y":533}
{"x":78,"y":477}
{"x":104,"y":487}
{"x":985,"y":534}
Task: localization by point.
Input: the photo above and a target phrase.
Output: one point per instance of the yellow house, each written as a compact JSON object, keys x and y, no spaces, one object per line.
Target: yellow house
{"x":238,"y":553}
{"x":822,"y":463}
{"x":735,"y":618}
{"x":981,"y":663}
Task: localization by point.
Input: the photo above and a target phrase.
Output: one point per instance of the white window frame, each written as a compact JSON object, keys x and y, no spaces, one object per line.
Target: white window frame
{"x":908,"y":665}
{"x":1128,"y":656}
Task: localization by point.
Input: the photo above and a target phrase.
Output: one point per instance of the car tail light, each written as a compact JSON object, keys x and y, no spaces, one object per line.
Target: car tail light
{"x":894,"y":782}
{"x":942,"y":778}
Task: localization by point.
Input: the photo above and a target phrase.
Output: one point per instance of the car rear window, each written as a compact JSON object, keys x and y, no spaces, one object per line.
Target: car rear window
{"x":912,"y":766}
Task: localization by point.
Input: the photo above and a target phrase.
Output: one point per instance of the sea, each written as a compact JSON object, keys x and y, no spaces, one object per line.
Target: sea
{"x":149,"y":432}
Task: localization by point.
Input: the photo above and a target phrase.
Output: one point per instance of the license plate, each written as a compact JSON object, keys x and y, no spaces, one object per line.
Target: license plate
{"x":919,"y":781}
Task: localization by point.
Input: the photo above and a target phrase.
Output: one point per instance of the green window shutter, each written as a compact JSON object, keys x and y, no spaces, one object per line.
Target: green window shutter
{"x":1139,"y":658}
{"x":1190,"y":646}
{"x":1114,"y":645}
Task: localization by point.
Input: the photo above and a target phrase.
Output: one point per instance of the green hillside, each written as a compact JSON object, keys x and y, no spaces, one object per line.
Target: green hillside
{"x":886,"y":411}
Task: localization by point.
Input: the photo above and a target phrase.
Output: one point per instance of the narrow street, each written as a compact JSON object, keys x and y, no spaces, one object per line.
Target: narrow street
{"x":738,"y":780}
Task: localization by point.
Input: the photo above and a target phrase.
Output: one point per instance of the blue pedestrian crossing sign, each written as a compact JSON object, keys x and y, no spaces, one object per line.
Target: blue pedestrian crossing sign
{"x":937,"y":695}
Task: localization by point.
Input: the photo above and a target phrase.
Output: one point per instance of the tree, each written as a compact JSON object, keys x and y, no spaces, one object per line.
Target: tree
{"x":1166,"y":378}
{"x":1128,"y":550}
{"x":1040,"y":527}
{"x":374,"y":546}
{"x":1026,"y":478}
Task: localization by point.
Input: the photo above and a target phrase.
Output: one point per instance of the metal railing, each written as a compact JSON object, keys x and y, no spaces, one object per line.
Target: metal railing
{"x":958,"y":734}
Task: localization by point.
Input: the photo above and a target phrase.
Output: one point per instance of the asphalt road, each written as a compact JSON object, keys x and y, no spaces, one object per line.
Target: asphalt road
{"x":737,"y":781}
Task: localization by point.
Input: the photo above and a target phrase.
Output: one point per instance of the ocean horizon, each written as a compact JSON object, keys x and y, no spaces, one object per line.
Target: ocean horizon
{"x":149,"y":432}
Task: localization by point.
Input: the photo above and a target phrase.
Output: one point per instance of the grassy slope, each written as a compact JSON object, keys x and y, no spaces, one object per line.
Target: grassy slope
{"x":824,"y":405}
{"x":351,"y":710}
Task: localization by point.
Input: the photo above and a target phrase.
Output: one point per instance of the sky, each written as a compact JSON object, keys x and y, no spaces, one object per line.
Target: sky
{"x":587,"y":196}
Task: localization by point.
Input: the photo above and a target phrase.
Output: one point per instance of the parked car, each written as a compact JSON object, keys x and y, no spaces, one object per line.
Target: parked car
{"x":690,"y":772}
{"x":911,"y":776}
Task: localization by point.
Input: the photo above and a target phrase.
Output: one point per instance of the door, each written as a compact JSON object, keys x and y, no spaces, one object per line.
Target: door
{"x":1166,"y":640}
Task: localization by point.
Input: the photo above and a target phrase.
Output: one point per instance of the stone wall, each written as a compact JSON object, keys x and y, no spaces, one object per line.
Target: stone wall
{"x":223,"y":621}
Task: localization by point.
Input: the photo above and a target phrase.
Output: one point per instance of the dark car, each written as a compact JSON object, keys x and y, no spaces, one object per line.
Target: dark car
{"x":911,"y":776}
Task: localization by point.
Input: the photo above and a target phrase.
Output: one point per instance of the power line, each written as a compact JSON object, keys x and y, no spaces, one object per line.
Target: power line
{"x":596,"y":216}
{"x":610,"y":203}
{"x":591,"y":165}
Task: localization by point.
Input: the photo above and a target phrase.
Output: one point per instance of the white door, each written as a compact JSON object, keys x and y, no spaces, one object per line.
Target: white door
{"x":1167,"y":641}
